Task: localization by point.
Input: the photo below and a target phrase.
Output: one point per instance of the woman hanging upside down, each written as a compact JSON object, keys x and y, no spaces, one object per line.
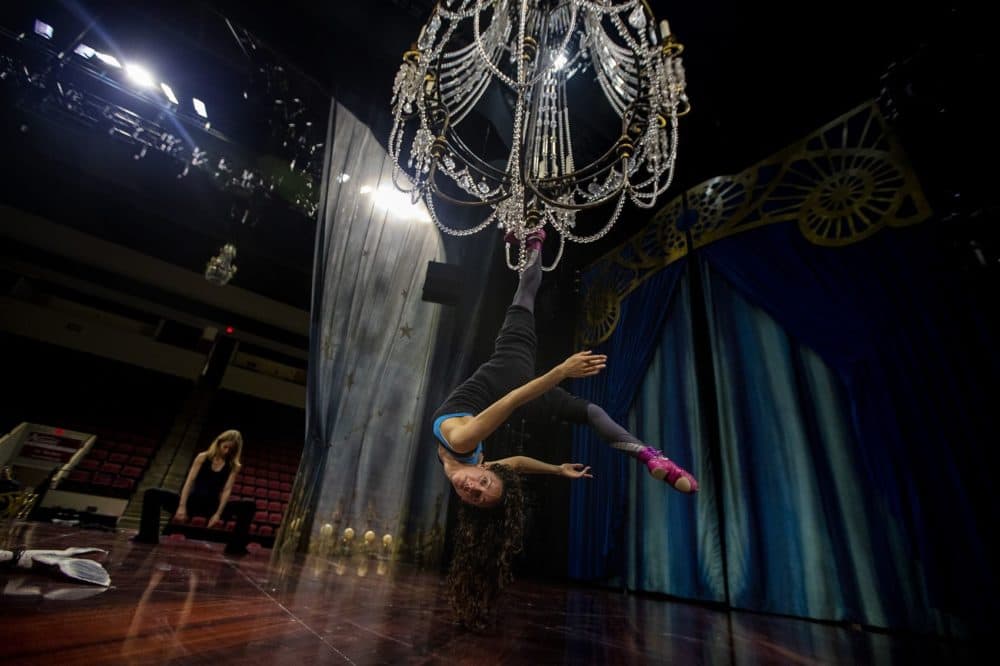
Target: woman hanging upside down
{"x":490,"y":518}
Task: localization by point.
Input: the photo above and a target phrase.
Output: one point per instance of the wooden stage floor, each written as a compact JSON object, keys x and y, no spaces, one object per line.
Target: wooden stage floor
{"x":187,"y":603}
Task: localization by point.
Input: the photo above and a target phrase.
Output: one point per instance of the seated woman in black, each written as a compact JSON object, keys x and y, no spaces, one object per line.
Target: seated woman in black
{"x":205,"y":493}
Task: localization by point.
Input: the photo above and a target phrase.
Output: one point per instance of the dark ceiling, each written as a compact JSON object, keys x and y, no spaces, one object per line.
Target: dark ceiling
{"x":760,"y":76}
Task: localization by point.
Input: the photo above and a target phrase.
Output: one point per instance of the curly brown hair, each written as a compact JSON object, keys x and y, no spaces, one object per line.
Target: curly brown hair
{"x":486,"y":541}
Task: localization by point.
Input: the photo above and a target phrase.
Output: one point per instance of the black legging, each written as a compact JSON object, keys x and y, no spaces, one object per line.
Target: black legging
{"x":512,"y":364}
{"x":156,"y":500}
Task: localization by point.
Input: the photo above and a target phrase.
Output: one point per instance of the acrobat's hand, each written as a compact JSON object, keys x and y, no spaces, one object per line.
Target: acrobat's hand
{"x":584,"y":364}
{"x":64,"y":561}
{"x":575,"y":471}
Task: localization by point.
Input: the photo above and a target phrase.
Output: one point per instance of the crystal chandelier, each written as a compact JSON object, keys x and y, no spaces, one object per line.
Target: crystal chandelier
{"x":533,"y":48}
{"x":220,"y":269}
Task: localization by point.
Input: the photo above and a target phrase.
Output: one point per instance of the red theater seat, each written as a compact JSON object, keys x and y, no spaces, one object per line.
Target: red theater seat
{"x":266,"y":530}
{"x":79,"y":475}
{"x":122,"y":482}
{"x":86,"y":463}
{"x":111,"y":468}
{"x":119,"y":458}
{"x":102,"y":479}
{"x":198,"y":521}
{"x":131,"y":472}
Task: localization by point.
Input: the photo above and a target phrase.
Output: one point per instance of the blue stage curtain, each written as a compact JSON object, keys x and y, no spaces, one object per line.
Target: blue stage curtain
{"x":918,"y":366}
{"x":673,"y":540}
{"x":597,"y":518}
{"x":852,"y":387}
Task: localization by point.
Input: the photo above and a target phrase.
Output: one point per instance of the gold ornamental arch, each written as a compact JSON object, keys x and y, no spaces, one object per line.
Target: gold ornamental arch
{"x":839,"y":185}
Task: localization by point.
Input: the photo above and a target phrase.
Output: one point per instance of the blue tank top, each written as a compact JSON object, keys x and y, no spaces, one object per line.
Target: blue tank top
{"x":468,"y":459}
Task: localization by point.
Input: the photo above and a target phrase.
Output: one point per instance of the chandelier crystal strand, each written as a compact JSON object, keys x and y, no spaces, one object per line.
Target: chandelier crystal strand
{"x":531,"y":49}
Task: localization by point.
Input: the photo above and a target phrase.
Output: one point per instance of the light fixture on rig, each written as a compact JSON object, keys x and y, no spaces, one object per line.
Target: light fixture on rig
{"x":220,"y":269}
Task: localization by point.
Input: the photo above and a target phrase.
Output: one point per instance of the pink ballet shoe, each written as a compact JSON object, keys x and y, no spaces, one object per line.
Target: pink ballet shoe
{"x":533,"y":240}
{"x":664,"y":469}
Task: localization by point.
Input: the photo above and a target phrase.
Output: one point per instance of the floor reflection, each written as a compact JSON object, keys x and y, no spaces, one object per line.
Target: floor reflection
{"x":187,"y":602}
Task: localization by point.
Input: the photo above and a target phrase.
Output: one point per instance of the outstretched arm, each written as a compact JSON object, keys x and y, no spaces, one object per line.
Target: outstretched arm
{"x":464,"y":437}
{"x":526,"y":465}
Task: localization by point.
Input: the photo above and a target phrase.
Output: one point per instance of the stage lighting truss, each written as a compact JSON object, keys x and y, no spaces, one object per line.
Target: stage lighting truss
{"x":73,"y":86}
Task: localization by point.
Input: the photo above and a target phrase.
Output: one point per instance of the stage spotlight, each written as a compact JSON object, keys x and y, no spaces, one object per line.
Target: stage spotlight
{"x":43,"y":29}
{"x":169,"y":92}
{"x":108,"y":59}
{"x":199,"y":107}
{"x":139,"y":75}
{"x":85,"y":51}
{"x":399,"y":203}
